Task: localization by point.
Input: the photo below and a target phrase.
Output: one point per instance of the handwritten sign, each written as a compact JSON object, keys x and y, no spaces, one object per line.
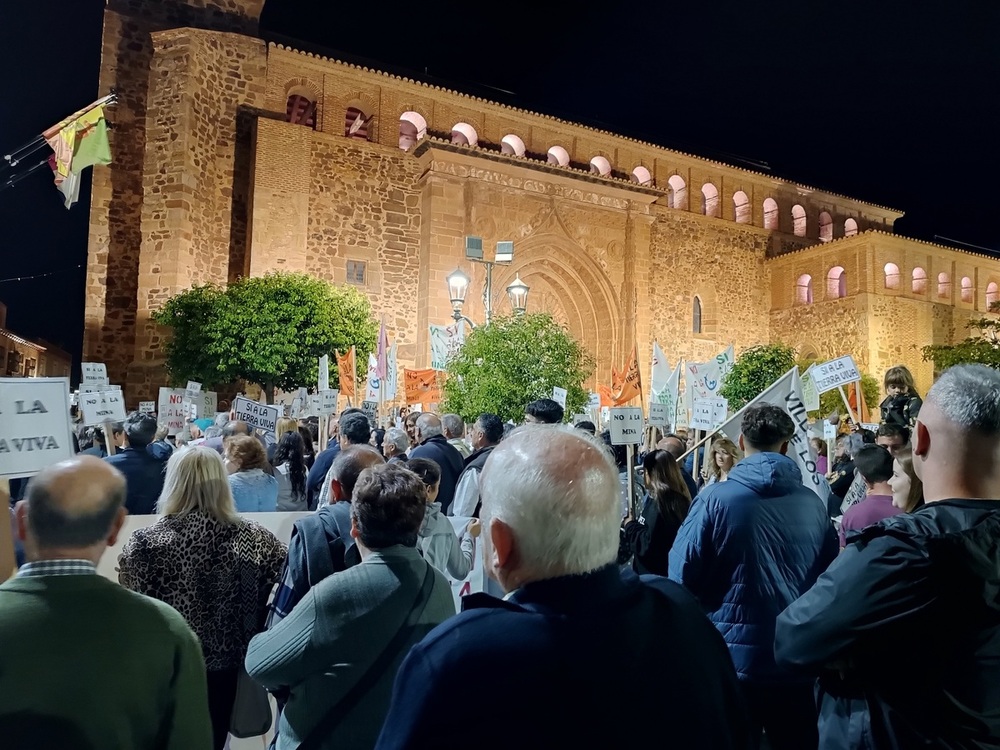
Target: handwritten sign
{"x":809,"y":393}
{"x":835,"y":373}
{"x":829,"y":432}
{"x":95,"y":373}
{"x":99,"y":388}
{"x":147,"y":407}
{"x":328,"y":401}
{"x":559,"y":396}
{"x":324,"y":373}
{"x":370,"y":408}
{"x":594,"y":401}
{"x":315,"y":405}
{"x":258,"y":416}
{"x":626,"y":425}
{"x":709,"y":413}
{"x":170,"y":409}
{"x":192,"y":390}
{"x":106,"y":406}
{"x":661,"y":415}
{"x":34,"y":425}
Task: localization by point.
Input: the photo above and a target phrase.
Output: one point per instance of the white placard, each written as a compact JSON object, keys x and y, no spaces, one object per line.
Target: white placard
{"x":94,"y":373}
{"x":559,"y":396}
{"x":170,"y":409}
{"x":626,"y":425}
{"x":370,"y":408}
{"x":315,"y":405}
{"x":258,"y":416}
{"x":191,"y":410}
{"x":99,"y":388}
{"x":594,"y":402}
{"x":328,"y":401}
{"x":106,"y":406}
{"x":35,"y":427}
{"x":829,"y":431}
{"x":192,"y":390}
{"x":709,"y":413}
{"x":659,"y":414}
{"x":810,"y":396}
{"x":147,"y":407}
{"x":835,"y":373}
{"x":324,"y":373}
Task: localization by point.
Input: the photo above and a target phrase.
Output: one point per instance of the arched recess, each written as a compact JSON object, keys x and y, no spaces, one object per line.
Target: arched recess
{"x":742,"y":213}
{"x":412,"y":127}
{"x":825,"y":226}
{"x":641,"y":176}
{"x":704,"y":304}
{"x":600,"y":165}
{"x":512,"y":145}
{"x":710,"y":199}
{"x":301,"y":104}
{"x":357,"y":121}
{"x":968,"y":290}
{"x":944,"y":285}
{"x":850,"y":227}
{"x":463,"y":134}
{"x":771,"y":217}
{"x":836,"y":283}
{"x":891,"y":276}
{"x":918,"y":281}
{"x":678,"y":191}
{"x":992,"y":296}
{"x":559,"y":156}
{"x":804,"y":290}
{"x":798,"y":220}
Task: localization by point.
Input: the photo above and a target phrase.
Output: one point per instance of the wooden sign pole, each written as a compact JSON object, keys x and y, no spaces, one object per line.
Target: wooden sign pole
{"x":7,"y":560}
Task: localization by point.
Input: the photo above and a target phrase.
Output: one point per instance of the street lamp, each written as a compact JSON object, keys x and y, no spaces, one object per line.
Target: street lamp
{"x":517,"y":293}
{"x":458,"y":281}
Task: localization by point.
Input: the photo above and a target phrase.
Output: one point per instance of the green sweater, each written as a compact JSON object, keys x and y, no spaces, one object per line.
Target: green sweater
{"x":86,"y":664}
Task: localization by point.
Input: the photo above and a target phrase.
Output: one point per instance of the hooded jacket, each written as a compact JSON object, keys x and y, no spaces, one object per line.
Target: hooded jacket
{"x":748,"y":548}
{"x":904,"y":631}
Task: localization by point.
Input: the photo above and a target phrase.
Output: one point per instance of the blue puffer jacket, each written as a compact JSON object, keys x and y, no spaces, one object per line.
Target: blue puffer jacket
{"x":750,"y":547}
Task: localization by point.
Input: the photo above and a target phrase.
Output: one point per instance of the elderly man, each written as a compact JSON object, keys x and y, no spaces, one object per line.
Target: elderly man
{"x":453,"y":429}
{"x":486,"y":434}
{"x":572,"y":626}
{"x":338,"y":652}
{"x":433,"y":445}
{"x":317,"y":479}
{"x":355,"y":429}
{"x":394,"y":445}
{"x":229,"y":429}
{"x":84,"y":662}
{"x":904,"y":628}
{"x":143,"y":471}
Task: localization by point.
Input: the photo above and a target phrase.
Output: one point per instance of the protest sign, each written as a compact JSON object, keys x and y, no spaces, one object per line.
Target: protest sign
{"x":328,"y":401}
{"x":809,"y":393}
{"x":192,"y":390}
{"x":370,"y":408}
{"x":105,"y":406}
{"x":626,"y":425}
{"x":559,"y":396}
{"x":829,"y":431}
{"x":35,"y":428}
{"x":594,"y":402}
{"x":661,"y":415}
{"x":324,"y":373}
{"x":147,"y":407}
{"x":709,"y":413}
{"x":99,"y":388}
{"x":835,"y":373}
{"x":262,"y":417}
{"x":170,"y":409}
{"x":704,"y":379}
{"x":94,"y":373}
{"x":446,"y":342}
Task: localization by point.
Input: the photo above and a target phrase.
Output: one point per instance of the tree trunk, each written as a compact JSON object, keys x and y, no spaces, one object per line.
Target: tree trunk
{"x":269,"y":392}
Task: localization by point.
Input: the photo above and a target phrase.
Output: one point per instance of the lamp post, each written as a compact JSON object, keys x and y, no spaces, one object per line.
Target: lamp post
{"x":458,"y":281}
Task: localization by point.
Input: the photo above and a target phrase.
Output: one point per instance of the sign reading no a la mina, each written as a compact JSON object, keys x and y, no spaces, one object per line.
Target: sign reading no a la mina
{"x":34,"y":425}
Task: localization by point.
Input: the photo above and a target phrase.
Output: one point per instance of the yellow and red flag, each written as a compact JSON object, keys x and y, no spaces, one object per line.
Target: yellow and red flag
{"x":421,"y":386}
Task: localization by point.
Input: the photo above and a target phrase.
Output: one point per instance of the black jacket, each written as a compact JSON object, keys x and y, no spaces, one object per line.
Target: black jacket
{"x":449,"y":459}
{"x":650,"y":537}
{"x":904,"y":631}
{"x":144,"y":476}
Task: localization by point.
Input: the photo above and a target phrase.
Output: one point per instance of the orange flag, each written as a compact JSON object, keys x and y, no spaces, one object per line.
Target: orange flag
{"x":631,"y":383}
{"x":862,"y":412}
{"x":348,"y":374}
{"x":421,"y":386}
{"x":607,"y":399}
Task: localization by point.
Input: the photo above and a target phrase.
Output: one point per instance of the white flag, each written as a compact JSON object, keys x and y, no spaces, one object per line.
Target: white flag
{"x":786,"y":392}
{"x":391,"y":374}
{"x":704,"y":379}
{"x":661,"y":370}
{"x":446,"y":341}
{"x":373,"y":383}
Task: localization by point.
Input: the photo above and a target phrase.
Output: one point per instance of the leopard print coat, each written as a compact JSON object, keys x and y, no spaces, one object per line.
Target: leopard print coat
{"x":216,"y":575}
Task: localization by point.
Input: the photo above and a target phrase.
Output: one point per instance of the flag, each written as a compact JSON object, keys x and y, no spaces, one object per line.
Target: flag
{"x":391,"y":379}
{"x":704,"y":379}
{"x":446,"y":341}
{"x":421,"y":386}
{"x":861,"y":411}
{"x":786,"y":392}
{"x":382,"y":352}
{"x":607,"y":398}
{"x":660,"y":370}
{"x":78,"y":142}
{"x":69,"y":186}
{"x":91,"y":145}
{"x":348,"y":374}
{"x":631,"y":382}
{"x":374,"y":383}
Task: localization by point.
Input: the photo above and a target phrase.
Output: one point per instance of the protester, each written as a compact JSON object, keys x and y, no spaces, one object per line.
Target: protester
{"x":410,"y":425}
{"x":254,"y":490}
{"x":290,"y":472}
{"x":903,"y":627}
{"x":307,"y":431}
{"x":842,"y":472}
{"x":543,"y":411}
{"x":97,"y":440}
{"x":85,"y":663}
{"x":438,"y":542}
{"x":587,"y":426}
{"x":722,"y":457}
{"x":353,"y":429}
{"x":395,"y":445}
{"x":453,"y":429}
{"x":212,"y":566}
{"x":749,"y":547}
{"x":338,"y":652}
{"x":433,"y":445}
{"x":676,"y":445}
{"x":648,"y":539}
{"x":486,"y":434}
{"x":230,"y":429}
{"x":143,"y":472}
{"x":572,"y":627}
{"x":907,"y":489}
{"x":820,"y":449}
{"x":902,"y":403}
{"x":874,"y":464}
{"x":282,"y":426}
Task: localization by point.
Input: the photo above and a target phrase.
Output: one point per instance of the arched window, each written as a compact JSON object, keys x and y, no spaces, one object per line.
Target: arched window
{"x":968,"y":294}
{"x":600,"y":165}
{"x":558,"y":155}
{"x":512,"y":145}
{"x":918,"y":281}
{"x":891,"y":276}
{"x":944,"y":285}
{"x":464,"y":134}
{"x":850,"y":228}
{"x":412,"y":127}
{"x":770,"y":213}
{"x":836,"y":283}
{"x":741,"y":208}
{"x":696,"y":315}
{"x":825,"y":227}
{"x":301,"y":110}
{"x":356,"y":124}
{"x":709,"y":199}
{"x":798,"y":221}
{"x":642,"y":176}
{"x":678,"y":191}
{"x":992,"y":295}
{"x":804,"y":290}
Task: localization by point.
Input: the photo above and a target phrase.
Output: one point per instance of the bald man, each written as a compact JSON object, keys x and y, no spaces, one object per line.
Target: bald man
{"x":571,"y":625}
{"x":904,"y":628}
{"x":85,"y":663}
{"x":433,"y":445}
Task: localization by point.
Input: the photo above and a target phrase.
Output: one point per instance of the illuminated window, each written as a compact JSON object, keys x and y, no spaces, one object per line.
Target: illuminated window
{"x":850,"y":228}
{"x":709,"y":199}
{"x":741,"y":207}
{"x":967,"y":291}
{"x":891,"y":276}
{"x":696,"y":316}
{"x":798,"y":221}
{"x":678,"y":192}
{"x":770,"y":213}
{"x":836,"y":283}
{"x":919,"y":281}
{"x":300,"y":110}
{"x":804,"y":290}
{"x":825,"y":227}
{"x":944,"y":285}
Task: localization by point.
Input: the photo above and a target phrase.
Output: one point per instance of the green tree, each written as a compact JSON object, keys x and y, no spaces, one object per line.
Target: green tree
{"x":983,"y":348}
{"x":270,"y":330}
{"x":754,"y":370}
{"x":831,"y":401}
{"x":514,"y":360}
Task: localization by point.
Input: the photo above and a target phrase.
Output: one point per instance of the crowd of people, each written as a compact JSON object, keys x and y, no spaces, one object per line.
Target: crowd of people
{"x":733,"y":606}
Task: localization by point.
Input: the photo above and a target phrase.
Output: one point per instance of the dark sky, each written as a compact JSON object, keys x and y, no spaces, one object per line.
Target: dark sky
{"x":876,"y":100}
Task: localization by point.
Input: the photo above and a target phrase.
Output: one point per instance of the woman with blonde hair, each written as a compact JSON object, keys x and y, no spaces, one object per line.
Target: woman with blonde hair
{"x":907,"y":489}
{"x":722,"y":457}
{"x":209,"y":564}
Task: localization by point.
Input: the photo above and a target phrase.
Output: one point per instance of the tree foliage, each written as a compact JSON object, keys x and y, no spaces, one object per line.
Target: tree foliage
{"x":514,"y":360}
{"x":754,"y":370}
{"x":983,"y":348}
{"x":269,"y":330}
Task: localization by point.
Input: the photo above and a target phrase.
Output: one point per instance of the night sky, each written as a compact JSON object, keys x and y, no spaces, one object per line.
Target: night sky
{"x":878,"y":101}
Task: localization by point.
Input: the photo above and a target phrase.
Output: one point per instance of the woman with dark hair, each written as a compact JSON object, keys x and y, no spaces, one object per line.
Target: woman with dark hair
{"x":650,"y":537}
{"x":290,"y":470}
{"x":309,"y":450}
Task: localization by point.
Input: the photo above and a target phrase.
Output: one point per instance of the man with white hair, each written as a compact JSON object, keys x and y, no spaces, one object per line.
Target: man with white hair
{"x":453,"y":429}
{"x":432,"y":444}
{"x":904,"y":627}
{"x":394,"y":445}
{"x":577,"y":651}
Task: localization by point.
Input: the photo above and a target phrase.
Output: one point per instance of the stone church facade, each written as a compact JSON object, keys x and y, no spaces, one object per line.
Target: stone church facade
{"x":237,"y":157}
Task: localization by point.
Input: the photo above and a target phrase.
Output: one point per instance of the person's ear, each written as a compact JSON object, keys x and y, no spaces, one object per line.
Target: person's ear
{"x":355,"y":534}
{"x":783,"y":450}
{"x":337,"y":490}
{"x":502,"y":544}
{"x":21,"y":514}
{"x":921,"y":439}
{"x":116,"y":526}
{"x":742,"y":447}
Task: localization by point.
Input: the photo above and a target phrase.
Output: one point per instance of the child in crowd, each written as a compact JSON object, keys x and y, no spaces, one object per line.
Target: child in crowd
{"x":874,"y":464}
{"x":902,"y":404}
{"x":438,"y":542}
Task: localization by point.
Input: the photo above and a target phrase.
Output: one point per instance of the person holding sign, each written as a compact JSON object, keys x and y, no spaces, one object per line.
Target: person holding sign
{"x":143,"y":471}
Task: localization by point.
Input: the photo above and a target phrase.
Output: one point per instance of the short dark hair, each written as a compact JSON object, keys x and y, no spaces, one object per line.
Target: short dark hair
{"x":429,"y":471}
{"x":355,"y":428}
{"x":587,"y":426}
{"x":867,"y":436}
{"x":350,"y":462}
{"x":766,"y":426}
{"x":140,"y":429}
{"x":389,"y":506}
{"x":874,"y":463}
{"x":53,"y":527}
{"x":491,"y":426}
{"x":893,"y":430}
{"x":545,"y":410}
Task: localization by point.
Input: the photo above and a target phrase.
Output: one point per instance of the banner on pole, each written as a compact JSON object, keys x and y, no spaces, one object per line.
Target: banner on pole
{"x":446,"y":342}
